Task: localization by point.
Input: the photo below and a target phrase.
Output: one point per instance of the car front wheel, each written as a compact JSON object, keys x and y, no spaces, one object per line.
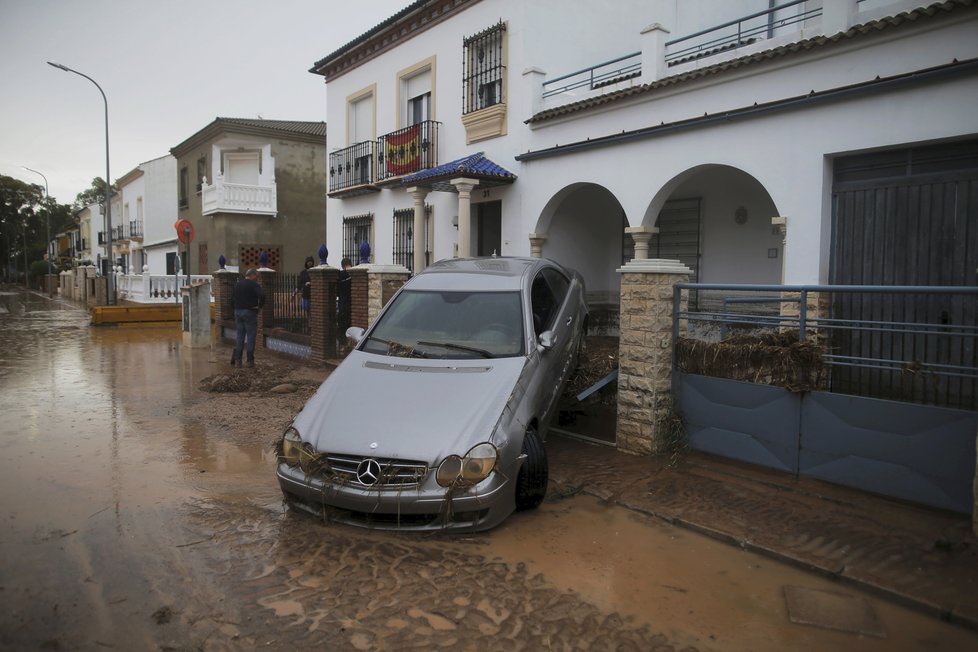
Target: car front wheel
{"x":531,"y":483}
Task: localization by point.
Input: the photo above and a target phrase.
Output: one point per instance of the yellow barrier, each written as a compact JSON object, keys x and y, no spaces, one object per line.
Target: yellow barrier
{"x":103,"y":315}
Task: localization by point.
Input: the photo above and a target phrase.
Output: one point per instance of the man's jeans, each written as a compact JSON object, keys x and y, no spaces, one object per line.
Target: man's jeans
{"x":246,"y":322}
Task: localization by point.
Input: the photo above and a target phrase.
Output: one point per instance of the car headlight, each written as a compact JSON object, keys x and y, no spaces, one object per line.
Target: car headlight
{"x":291,"y":446}
{"x":296,"y":452}
{"x":475,"y":467}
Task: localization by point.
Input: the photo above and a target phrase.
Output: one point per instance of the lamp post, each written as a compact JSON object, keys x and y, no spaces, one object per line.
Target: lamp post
{"x":110,"y":299}
{"x":47,"y":211}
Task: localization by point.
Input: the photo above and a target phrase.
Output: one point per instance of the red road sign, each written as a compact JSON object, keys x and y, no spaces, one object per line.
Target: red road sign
{"x":185,"y":230}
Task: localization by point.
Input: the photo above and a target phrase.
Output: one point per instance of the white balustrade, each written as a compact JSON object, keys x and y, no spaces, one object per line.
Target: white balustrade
{"x":154,"y":288}
{"x":238,"y":198}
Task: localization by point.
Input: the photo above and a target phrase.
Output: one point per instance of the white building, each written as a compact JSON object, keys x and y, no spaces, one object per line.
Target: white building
{"x":739,"y":139}
{"x":143,"y":214}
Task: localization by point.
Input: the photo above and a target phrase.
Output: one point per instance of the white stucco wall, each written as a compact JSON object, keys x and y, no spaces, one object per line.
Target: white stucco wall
{"x":788,"y":153}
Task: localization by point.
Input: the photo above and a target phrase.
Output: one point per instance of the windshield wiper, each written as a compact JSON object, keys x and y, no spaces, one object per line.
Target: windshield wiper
{"x":460,"y":347}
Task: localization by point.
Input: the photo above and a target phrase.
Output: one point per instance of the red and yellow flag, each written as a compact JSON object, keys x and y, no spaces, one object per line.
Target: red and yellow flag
{"x":403,"y":151}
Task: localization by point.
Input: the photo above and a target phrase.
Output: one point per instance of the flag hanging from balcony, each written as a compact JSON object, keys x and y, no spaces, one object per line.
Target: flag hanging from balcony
{"x":403,"y":151}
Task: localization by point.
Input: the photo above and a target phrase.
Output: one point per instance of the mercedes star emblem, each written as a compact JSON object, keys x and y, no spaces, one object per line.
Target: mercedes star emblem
{"x":368,"y":473}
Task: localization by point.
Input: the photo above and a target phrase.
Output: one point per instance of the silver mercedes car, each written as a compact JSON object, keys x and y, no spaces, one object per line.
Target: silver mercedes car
{"x":437,"y":418}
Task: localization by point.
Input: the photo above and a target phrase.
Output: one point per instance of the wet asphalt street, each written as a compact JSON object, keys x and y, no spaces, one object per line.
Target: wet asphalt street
{"x":131,"y":523}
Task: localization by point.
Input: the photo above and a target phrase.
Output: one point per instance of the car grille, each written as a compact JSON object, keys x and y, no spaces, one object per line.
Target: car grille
{"x":394,"y":474}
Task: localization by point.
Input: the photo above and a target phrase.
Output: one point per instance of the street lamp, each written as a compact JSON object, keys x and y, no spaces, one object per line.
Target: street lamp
{"x":108,"y":184}
{"x":47,"y":211}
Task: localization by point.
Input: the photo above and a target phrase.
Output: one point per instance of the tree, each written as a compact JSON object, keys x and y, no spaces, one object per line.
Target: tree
{"x":24,"y":214}
{"x":93,"y":195}
{"x":17,"y":212}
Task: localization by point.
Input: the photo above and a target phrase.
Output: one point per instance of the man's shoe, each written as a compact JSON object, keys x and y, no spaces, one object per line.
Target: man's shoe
{"x":249,"y":363}
{"x":234,"y":361}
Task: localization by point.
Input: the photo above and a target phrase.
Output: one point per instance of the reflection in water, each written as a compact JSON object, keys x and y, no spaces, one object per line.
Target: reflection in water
{"x":93,"y":474}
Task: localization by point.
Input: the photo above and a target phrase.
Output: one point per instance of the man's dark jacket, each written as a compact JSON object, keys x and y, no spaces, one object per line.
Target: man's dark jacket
{"x":247,"y":295}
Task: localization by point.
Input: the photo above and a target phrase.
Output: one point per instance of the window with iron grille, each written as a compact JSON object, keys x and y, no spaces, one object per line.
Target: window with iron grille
{"x":357,"y":229}
{"x":483,"y":69}
{"x":404,"y":236}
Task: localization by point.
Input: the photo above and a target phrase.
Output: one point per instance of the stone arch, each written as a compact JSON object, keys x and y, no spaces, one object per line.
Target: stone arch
{"x":582,"y":226}
{"x":734,"y":241}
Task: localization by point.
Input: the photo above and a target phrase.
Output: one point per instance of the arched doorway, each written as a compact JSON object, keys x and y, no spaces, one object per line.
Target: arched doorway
{"x":583,"y":226}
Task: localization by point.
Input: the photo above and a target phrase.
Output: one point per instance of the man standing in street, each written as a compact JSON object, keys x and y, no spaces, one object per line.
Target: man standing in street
{"x":246,"y":299}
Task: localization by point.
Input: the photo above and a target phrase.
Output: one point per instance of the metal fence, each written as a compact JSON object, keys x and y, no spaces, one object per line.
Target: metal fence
{"x":916,"y":344}
{"x":288,"y":311}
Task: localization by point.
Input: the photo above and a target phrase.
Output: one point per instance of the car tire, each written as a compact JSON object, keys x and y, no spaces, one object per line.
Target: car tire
{"x":531,"y":482}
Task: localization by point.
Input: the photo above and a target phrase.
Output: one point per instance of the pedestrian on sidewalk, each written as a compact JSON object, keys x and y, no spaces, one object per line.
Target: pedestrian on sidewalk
{"x":247,"y":298}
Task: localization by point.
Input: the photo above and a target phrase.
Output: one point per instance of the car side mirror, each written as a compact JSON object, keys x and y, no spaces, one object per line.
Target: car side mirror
{"x":546,"y":340}
{"x":354,"y":333}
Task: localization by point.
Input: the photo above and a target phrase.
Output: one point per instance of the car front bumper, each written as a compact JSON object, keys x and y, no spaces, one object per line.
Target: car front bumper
{"x":427,"y":506}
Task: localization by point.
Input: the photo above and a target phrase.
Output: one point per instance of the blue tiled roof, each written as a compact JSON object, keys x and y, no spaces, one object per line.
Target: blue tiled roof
{"x":474,"y":166}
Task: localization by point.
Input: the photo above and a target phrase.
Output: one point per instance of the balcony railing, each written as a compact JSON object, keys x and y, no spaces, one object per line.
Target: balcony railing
{"x":223,"y":197}
{"x":738,"y":33}
{"x":728,"y":36}
{"x":408,"y":150}
{"x":118,"y":233}
{"x":136,"y":229}
{"x":352,"y":167}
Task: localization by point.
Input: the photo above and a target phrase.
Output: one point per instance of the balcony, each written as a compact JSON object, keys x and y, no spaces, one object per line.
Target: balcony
{"x":136,"y":230}
{"x":223,"y":197}
{"x":781,"y":21}
{"x":352,"y":170}
{"x":407,"y":150}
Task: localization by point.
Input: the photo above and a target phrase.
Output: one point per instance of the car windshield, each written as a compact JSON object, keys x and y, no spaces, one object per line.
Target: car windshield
{"x":451,"y":325}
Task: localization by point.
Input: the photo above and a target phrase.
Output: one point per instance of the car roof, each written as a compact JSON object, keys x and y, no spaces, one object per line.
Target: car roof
{"x":478,"y":274}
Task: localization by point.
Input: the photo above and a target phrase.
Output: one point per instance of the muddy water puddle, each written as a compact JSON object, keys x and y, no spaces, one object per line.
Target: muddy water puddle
{"x":692,"y":588}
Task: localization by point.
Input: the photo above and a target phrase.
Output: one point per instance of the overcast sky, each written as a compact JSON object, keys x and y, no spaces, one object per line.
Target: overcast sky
{"x":167,"y":67}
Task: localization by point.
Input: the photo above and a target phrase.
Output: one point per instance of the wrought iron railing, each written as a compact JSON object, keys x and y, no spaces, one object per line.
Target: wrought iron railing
{"x":408,"y":150}
{"x":906,"y":343}
{"x":357,"y":230}
{"x":483,"y":69}
{"x":403,"y":253}
{"x":289,"y":312}
{"x":352,"y":166}
{"x":135,"y":229}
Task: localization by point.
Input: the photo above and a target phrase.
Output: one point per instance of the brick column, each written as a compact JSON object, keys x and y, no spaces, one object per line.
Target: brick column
{"x":645,"y":351}
{"x":322,"y":312}
{"x":267,"y":279}
{"x":358,"y":296}
{"x":223,"y":286}
{"x":383,"y":281}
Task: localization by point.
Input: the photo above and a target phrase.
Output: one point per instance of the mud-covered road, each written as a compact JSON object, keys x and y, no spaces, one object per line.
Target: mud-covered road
{"x":141,"y":512}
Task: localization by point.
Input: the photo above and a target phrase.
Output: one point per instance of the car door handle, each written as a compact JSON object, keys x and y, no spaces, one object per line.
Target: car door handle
{"x":569,"y":320}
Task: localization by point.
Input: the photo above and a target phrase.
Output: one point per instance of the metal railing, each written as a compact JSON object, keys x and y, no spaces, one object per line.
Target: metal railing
{"x":905,"y":343}
{"x":737,"y":33}
{"x":408,"y":150}
{"x":602,"y":74}
{"x":352,"y":166}
{"x":713,"y":40}
{"x":288,"y":311}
